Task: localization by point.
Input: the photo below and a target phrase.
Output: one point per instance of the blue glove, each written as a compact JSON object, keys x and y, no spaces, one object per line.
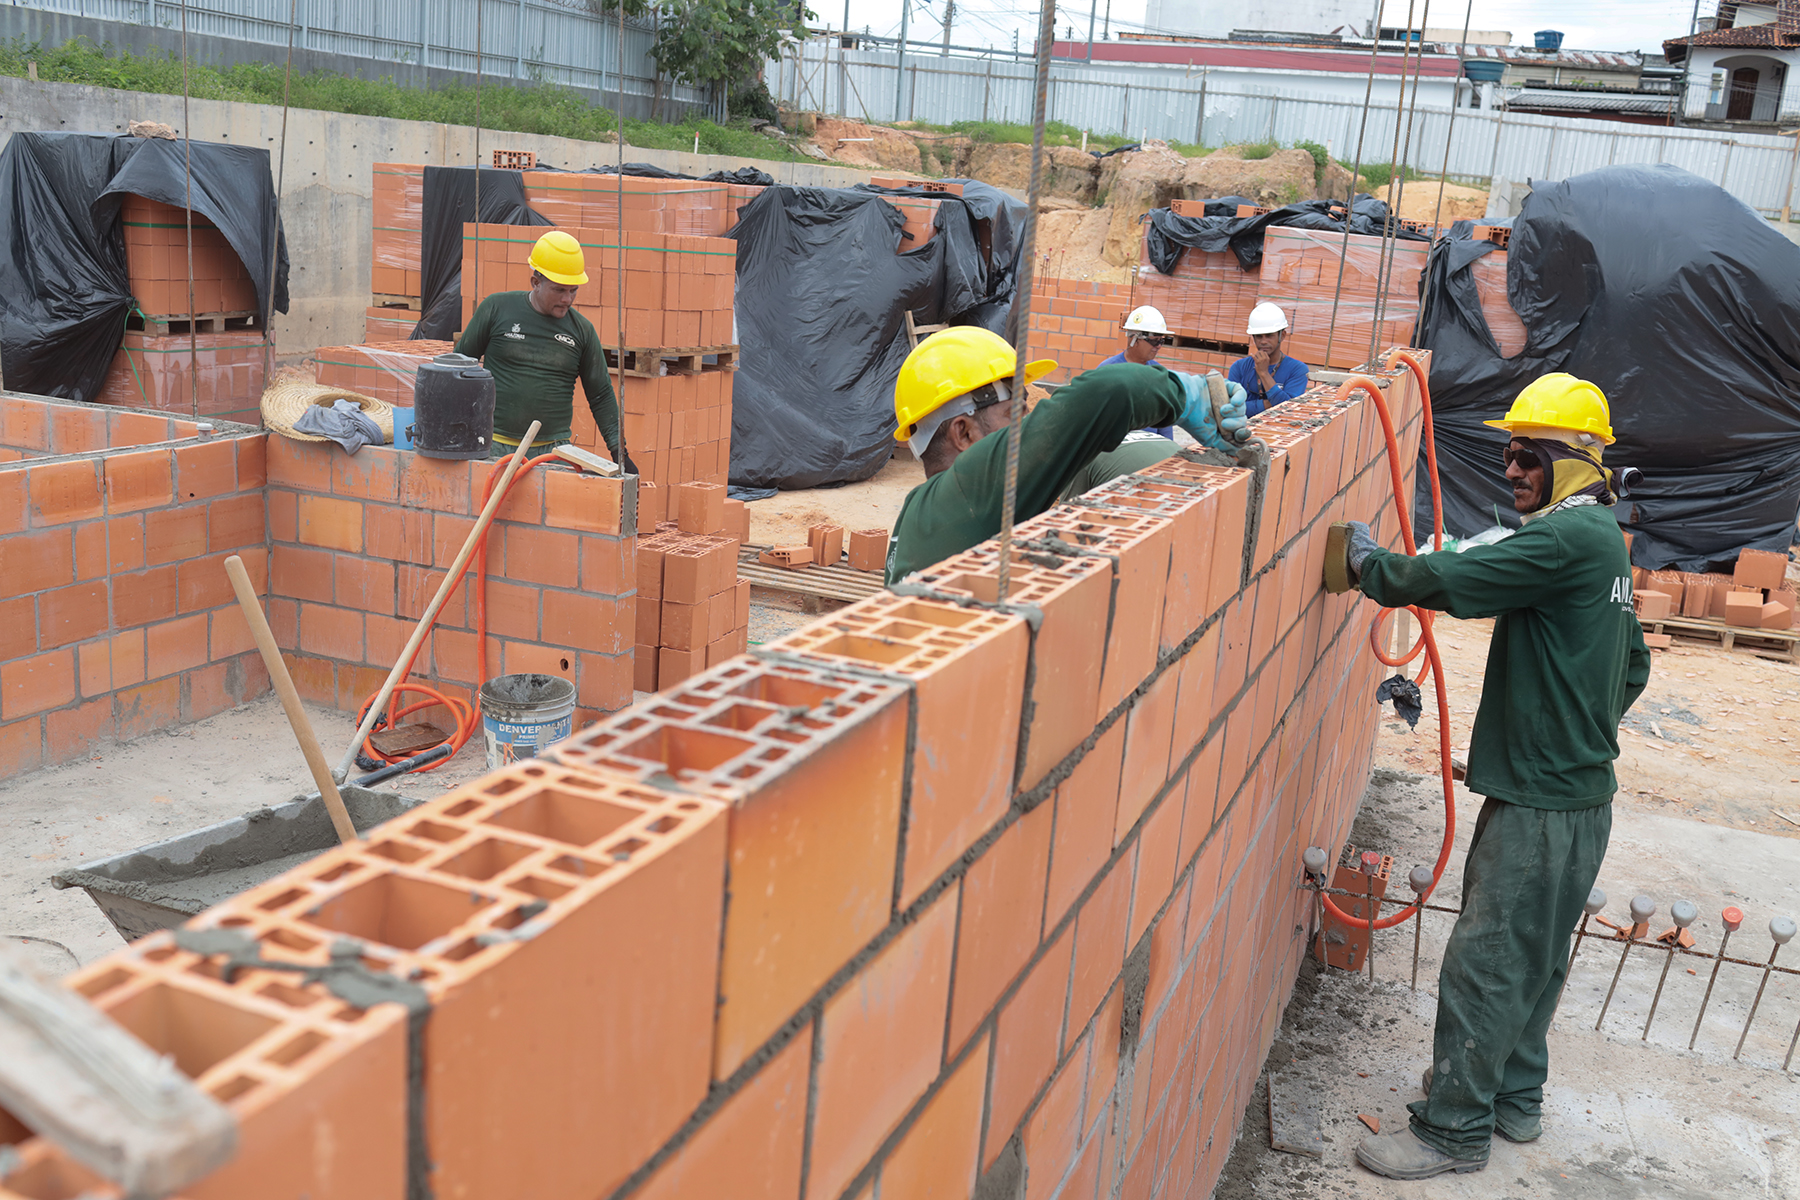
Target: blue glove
{"x":1197,"y":415}
{"x":1362,"y":544}
{"x":1233,"y":423}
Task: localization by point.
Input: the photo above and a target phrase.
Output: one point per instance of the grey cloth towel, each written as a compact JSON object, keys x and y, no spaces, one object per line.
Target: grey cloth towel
{"x":344,"y":423}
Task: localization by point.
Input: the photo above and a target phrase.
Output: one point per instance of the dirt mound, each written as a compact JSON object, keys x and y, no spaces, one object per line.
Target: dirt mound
{"x":1282,"y":178}
{"x":1069,"y":173}
{"x":872,"y":146}
{"x":1071,"y":240}
{"x":1419,"y":201}
{"x":1133,"y":184}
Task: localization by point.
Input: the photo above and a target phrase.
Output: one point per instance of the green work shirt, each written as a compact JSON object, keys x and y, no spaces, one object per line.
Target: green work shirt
{"x":961,"y":507}
{"x":535,"y":361}
{"x":1140,"y":449}
{"x":1567,"y":657}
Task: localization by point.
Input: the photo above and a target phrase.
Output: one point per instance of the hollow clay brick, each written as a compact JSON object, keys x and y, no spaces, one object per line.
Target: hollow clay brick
{"x":826,"y":543}
{"x":1232,"y":485}
{"x":880,"y":1045}
{"x":938,"y":1155}
{"x":1086,"y":806}
{"x":789,"y":557}
{"x":1652,"y":606}
{"x":1074,"y":595}
{"x":701,"y":508}
{"x":1658,"y":641}
{"x":967,"y":671}
{"x":1149,"y":728}
{"x":1027,"y":1044}
{"x":868,"y":549}
{"x":783,"y":744}
{"x":1100,"y":939}
{"x":1744,"y":609}
{"x":1001,"y":919}
{"x":644,"y":664}
{"x":528,"y":902}
{"x":1777,"y":616}
{"x":1759,"y":569}
{"x":1193,"y":510}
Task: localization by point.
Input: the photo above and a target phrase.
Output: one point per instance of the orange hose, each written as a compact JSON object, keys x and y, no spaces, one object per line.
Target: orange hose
{"x":466,"y":713}
{"x":1427,"y":641}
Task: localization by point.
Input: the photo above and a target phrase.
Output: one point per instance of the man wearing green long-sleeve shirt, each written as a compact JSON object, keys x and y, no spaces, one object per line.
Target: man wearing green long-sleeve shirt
{"x":1566,"y":661}
{"x":536,"y":346}
{"x":953,"y":404}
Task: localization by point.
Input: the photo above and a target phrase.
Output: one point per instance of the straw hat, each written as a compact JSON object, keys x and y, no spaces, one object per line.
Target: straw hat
{"x":283,"y":403}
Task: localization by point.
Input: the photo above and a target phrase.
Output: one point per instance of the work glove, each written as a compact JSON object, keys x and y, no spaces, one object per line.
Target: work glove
{"x":1197,"y":413}
{"x":1362,"y":544}
{"x":625,"y":463}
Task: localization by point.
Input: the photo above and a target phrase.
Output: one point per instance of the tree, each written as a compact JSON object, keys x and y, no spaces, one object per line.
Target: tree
{"x":714,"y":42}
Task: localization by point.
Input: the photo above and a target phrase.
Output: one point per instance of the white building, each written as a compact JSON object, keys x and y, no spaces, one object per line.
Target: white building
{"x":1217,"y":18}
{"x":1746,"y":68}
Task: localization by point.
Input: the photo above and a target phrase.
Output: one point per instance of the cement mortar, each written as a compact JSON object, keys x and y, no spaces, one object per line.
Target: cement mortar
{"x":1623,"y":1118}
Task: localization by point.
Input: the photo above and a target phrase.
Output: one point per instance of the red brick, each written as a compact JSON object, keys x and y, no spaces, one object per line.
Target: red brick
{"x":435,"y":485}
{"x":608,"y":565}
{"x":149,"y":707}
{"x":21,"y":746}
{"x":209,"y":469}
{"x":34,"y":562}
{"x":302,"y":573}
{"x":364,"y":583}
{"x":1086,"y":804}
{"x":172,"y":534}
{"x":73,"y":614}
{"x":1053,"y":1134}
{"x":331,"y":632}
{"x":1002,"y":919}
{"x":396,"y":534}
{"x":284,"y":515}
{"x":1027,"y":1043}
{"x":331,"y":523}
{"x":174,"y":646}
{"x":12,"y":509}
{"x":1157,"y":846}
{"x":573,"y":500}
{"x":18,"y":627}
{"x":31,"y":685}
{"x":881,"y":1042}
{"x":64,"y":491}
{"x":138,"y":480}
{"x":127,"y":658}
{"x":372,"y":473}
{"x":585,"y":622}
{"x":1148,"y":732}
{"x":937,"y":1156}
{"x":512,"y":610}
{"x":72,"y":732}
{"x":1100,"y":939}
{"x":538,"y":556}
{"x":236,"y":521}
{"x":252,"y":457}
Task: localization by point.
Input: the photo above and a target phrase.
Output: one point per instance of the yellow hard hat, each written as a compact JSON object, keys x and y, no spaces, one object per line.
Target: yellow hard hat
{"x":1559,"y":401}
{"x":558,"y":258}
{"x":950,"y":364}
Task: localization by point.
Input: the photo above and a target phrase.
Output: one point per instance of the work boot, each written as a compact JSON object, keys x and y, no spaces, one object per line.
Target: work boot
{"x":1403,"y":1156}
{"x":1529,"y":1130}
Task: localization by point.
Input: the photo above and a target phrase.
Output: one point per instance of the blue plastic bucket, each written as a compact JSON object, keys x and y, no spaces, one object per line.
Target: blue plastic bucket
{"x":523,"y":714}
{"x":403,"y":417}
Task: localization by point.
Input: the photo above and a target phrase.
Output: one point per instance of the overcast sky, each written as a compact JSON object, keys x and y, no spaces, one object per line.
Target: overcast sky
{"x":1595,"y":25}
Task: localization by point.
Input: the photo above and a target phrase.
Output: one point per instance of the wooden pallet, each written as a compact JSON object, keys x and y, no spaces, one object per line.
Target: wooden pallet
{"x":388,"y":300}
{"x":643,"y":362}
{"x":1782,"y":645}
{"x":836,"y":582}
{"x":165,"y":325}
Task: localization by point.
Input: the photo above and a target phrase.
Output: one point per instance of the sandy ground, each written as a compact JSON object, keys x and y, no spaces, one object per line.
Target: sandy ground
{"x":872,"y":504}
{"x":1624,"y":1117}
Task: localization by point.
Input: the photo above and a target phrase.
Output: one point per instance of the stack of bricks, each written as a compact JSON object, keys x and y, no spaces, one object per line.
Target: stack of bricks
{"x":359,"y":545}
{"x":220,"y":375}
{"x":1300,"y":272}
{"x":692,"y":611}
{"x":1080,"y":324}
{"x":1489,"y":274}
{"x":579,"y":200}
{"x":1208,"y":296}
{"x":1060,"y":944}
{"x":220,"y":370}
{"x":1761,"y":597}
{"x":399,"y":216}
{"x":677,"y":327}
{"x":116,"y":616}
{"x":382,"y":370}
{"x":156,"y":254}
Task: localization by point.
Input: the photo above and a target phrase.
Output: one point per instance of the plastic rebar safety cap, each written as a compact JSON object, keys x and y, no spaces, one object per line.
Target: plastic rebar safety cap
{"x":1732,"y":917}
{"x":1595,"y":902}
{"x":1782,"y":930}
{"x":1685,"y":913}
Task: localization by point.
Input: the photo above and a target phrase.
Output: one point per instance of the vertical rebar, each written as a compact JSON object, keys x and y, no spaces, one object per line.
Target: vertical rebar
{"x":1684,"y":913}
{"x":1781,"y":929}
{"x":1732,"y":918}
{"x":1642,"y":909}
{"x":1022,"y":295}
{"x":1419,"y":879}
{"x":1355,"y":170}
{"x":267,"y":316}
{"x":1371,"y":866}
{"x":187,"y":167}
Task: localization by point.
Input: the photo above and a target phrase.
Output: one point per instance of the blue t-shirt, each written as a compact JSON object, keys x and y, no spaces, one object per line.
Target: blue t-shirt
{"x":1290,"y":376}
{"x":1167,"y":431}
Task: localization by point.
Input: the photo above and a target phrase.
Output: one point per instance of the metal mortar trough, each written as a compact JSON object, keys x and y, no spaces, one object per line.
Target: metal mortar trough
{"x":161,"y":885}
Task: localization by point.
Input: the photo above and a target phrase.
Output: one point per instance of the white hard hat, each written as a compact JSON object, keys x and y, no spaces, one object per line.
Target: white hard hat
{"x":1267,"y":318}
{"x":1145,"y":319}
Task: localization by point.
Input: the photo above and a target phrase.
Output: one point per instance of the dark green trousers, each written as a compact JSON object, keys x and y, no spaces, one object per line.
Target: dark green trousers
{"x":1527,"y":876}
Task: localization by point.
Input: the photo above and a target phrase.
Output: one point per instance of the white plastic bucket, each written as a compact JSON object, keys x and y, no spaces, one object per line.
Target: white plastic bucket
{"x":522,"y":714}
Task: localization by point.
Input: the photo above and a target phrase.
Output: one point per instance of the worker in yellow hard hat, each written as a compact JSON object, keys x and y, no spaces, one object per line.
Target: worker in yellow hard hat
{"x":1566,"y":660}
{"x":537,"y":344}
{"x":953,"y":403}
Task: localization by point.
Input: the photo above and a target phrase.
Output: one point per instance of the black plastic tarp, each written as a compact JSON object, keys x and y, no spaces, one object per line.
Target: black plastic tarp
{"x":1683,"y":305}
{"x":65,"y":287}
{"x":1222,"y":229}
{"x":823,"y":288}
{"x":449,"y":204}
{"x":749,"y":175}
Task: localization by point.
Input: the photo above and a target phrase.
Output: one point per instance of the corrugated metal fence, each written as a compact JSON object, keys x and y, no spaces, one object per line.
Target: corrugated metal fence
{"x":1214,"y":110}
{"x":566,"y":43}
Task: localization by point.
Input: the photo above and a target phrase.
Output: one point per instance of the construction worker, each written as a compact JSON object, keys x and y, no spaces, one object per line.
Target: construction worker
{"x":1267,"y":375}
{"x":1145,"y":333}
{"x":953,"y":403}
{"x":1566,"y":661}
{"x":536,"y":346}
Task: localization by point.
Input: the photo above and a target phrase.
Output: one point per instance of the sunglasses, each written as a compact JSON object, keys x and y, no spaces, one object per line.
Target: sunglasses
{"x":1154,"y":339}
{"x":1528,"y":460}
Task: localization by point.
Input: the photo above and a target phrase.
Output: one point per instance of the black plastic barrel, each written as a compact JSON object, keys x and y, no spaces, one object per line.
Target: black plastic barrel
{"x":453,"y":408}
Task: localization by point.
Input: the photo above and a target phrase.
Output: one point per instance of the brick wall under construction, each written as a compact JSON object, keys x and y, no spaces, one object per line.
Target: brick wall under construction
{"x":931,"y":888}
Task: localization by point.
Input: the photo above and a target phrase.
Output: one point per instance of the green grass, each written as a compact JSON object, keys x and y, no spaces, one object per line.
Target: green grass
{"x":1321,"y":159}
{"x":1379,"y":175}
{"x":542,"y":108}
{"x":1056,"y":133}
{"x":1257,"y":150}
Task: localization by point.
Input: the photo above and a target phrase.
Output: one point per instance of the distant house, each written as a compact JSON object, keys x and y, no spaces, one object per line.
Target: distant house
{"x":1595,"y":84}
{"x":1746,"y":68}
